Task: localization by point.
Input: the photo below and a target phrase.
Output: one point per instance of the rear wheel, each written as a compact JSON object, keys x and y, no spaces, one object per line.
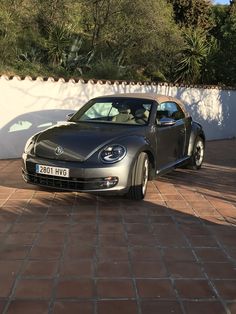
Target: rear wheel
{"x":197,"y":154}
{"x":139,"y":178}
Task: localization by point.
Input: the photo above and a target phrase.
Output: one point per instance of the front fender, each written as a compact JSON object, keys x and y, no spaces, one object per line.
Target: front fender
{"x":135,"y":145}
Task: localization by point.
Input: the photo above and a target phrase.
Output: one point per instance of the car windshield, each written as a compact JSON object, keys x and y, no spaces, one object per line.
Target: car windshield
{"x":115,"y":110}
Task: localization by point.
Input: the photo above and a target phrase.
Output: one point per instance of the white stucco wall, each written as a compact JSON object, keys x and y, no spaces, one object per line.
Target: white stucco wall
{"x":28,"y":106}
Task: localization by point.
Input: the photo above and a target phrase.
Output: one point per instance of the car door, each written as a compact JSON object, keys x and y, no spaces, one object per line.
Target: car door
{"x":170,"y":134}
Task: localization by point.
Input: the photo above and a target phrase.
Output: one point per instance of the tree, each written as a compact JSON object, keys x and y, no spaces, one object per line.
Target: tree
{"x":140,"y":37}
{"x":47,"y":33}
{"x":119,"y":39}
{"x":193,"y":13}
{"x":221,"y":66}
{"x":96,"y":15}
{"x":9,"y":29}
{"x":219,"y":14}
{"x":227,"y":56}
{"x":194,"y":54}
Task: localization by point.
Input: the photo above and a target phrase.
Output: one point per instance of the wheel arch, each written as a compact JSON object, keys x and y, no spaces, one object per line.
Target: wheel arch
{"x":136,"y":145}
{"x":139,"y":177}
{"x":196,"y":131}
{"x":152,"y":163}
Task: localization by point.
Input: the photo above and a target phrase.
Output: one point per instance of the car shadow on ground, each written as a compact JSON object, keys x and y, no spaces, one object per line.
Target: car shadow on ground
{"x":173,"y":252}
{"x":166,"y":251}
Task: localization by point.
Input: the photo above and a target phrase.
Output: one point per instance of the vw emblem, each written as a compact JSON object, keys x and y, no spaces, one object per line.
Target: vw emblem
{"x":59,"y":150}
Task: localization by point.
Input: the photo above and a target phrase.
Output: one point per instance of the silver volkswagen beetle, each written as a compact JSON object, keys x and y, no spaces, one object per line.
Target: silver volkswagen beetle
{"x":115,"y":144}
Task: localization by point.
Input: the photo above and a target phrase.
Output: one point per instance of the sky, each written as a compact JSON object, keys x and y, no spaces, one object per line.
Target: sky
{"x":221,"y":1}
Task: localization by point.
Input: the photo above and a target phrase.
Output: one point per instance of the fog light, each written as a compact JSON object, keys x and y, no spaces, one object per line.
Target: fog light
{"x":109,"y":182}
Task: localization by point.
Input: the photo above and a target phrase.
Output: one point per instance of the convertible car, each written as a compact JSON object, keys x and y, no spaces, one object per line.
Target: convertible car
{"x":115,"y":144}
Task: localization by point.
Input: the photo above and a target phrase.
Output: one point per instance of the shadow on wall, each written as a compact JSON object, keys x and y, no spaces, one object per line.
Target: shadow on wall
{"x":214,"y":109}
{"x":229,"y":112}
{"x":15,"y":133}
{"x":214,"y":112}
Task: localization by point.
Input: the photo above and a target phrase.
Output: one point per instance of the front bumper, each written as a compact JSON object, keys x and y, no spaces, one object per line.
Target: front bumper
{"x":84,"y":176}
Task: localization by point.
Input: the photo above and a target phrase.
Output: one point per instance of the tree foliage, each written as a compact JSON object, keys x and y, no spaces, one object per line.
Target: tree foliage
{"x":190,"y":41}
{"x":195,"y":51}
{"x":193,"y":13}
{"x":227,"y":54}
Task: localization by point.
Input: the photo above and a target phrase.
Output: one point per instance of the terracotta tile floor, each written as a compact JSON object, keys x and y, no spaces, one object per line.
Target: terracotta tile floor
{"x":174,"y":252}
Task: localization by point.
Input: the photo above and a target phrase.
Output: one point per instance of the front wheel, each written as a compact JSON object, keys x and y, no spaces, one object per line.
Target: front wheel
{"x":197,"y":154}
{"x":139,"y":177}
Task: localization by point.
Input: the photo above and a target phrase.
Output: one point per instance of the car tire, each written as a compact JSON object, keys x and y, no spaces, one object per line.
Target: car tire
{"x":197,"y":154}
{"x":139,"y":178}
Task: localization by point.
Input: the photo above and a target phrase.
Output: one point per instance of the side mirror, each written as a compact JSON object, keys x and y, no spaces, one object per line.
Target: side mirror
{"x":166,"y":122}
{"x":68,"y":116}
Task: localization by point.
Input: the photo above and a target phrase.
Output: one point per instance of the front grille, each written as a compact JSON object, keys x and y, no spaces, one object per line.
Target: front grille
{"x":76,"y":184}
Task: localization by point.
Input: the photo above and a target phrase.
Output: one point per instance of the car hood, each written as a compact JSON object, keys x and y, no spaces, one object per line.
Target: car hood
{"x":78,"y":141}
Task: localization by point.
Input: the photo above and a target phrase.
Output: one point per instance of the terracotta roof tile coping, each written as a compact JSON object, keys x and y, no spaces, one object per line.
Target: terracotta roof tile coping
{"x":113,"y":82}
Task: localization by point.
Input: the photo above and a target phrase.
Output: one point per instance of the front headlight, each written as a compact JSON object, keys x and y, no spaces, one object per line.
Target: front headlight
{"x":29,"y":145}
{"x":113,"y":153}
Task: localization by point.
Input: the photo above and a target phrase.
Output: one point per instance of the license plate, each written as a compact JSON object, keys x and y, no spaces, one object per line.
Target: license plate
{"x":52,"y":171}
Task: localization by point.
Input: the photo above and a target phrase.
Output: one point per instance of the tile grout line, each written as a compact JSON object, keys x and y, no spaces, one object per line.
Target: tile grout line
{"x":210,"y":283}
{"x":96,"y":257}
{"x":19,"y":275}
{"x":133,"y":278}
{"x":170,"y":276}
{"x":10,"y":297}
{"x":56,"y":278}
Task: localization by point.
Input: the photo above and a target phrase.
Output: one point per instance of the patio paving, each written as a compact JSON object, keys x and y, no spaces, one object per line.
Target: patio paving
{"x":174,"y":252}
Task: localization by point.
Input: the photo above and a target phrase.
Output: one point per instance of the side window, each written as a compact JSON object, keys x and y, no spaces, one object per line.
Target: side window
{"x":169,"y":110}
